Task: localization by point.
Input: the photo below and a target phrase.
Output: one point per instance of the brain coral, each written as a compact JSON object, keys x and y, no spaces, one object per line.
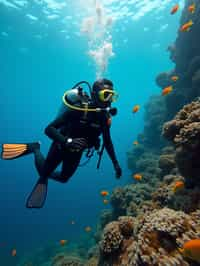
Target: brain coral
{"x":184,"y":131}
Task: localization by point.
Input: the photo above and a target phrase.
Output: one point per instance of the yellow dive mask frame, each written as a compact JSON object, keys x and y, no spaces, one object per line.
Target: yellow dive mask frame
{"x":107,"y":95}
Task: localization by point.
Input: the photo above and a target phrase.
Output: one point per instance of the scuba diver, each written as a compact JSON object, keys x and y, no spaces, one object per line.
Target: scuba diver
{"x":76,"y":129}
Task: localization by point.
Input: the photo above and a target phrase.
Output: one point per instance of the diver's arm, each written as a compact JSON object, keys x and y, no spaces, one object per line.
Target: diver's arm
{"x":108,"y":144}
{"x":110,"y":149}
{"x":52,"y":129}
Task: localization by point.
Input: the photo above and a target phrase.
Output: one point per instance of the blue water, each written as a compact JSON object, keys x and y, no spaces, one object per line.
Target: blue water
{"x":34,"y":73}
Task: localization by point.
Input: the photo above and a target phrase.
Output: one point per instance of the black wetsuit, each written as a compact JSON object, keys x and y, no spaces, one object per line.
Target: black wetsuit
{"x":73,"y":124}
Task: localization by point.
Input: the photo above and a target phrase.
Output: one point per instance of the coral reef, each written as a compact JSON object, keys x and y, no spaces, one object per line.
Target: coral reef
{"x":167,"y":163}
{"x":155,"y":241}
{"x":117,"y":239}
{"x":125,"y":201}
{"x":146,"y":163}
{"x":184,"y":132}
{"x":64,"y":260}
{"x":112,"y":238}
{"x":154,"y":118}
{"x":163,"y":231}
{"x":163,"y":218}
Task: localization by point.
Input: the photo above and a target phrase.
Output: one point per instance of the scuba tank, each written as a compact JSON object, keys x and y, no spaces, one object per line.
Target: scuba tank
{"x":74,"y":99}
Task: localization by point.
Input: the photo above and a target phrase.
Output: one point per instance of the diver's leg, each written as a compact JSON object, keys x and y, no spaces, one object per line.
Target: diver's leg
{"x":39,"y":161}
{"x":16,"y":150}
{"x":45,"y":168}
{"x":70,"y":163}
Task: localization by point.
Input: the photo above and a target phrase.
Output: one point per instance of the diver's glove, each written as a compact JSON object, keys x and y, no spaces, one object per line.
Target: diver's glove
{"x":118,"y":170}
{"x":76,"y":144}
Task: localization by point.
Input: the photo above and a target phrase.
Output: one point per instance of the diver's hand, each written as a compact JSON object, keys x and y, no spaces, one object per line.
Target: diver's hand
{"x":77,"y":144}
{"x":118,"y":170}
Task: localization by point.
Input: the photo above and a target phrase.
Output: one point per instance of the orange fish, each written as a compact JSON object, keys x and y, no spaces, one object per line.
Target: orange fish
{"x":192,"y":8}
{"x":167,"y":90}
{"x":174,"y":78}
{"x":186,"y":27}
{"x":88,"y":229}
{"x":174,"y":9}
{"x":136,"y":108}
{"x":105,"y":201}
{"x":63,"y":242}
{"x":104,"y":193}
{"x":191,"y":250}
{"x":14,"y":252}
{"x":137,"y":176}
{"x":179,"y":185}
{"x":135,"y":143}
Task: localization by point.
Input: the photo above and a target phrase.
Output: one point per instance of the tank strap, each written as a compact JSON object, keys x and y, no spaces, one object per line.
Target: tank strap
{"x":85,"y":110}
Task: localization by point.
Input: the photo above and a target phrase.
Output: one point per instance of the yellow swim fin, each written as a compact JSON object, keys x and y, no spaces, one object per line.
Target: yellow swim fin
{"x":13,"y":151}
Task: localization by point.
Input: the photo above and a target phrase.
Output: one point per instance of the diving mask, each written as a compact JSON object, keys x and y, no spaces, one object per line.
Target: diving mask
{"x":107,"y":95}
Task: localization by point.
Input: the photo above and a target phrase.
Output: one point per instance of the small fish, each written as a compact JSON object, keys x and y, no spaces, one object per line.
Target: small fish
{"x":136,"y":108}
{"x":88,"y":229}
{"x":186,"y":27}
{"x":174,"y":9}
{"x":137,"y":176}
{"x":174,"y":78}
{"x":135,"y":142}
{"x":105,"y":201}
{"x":191,"y":250}
{"x":72,"y":222}
{"x":179,"y":185}
{"x":104,"y":193}
{"x":167,"y":90}
{"x":192,"y":8}
{"x":14,"y":252}
{"x":63,"y":242}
